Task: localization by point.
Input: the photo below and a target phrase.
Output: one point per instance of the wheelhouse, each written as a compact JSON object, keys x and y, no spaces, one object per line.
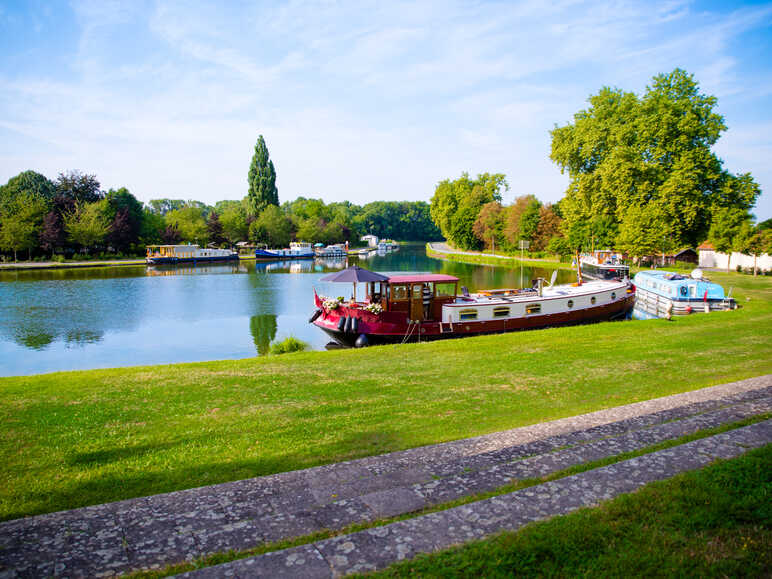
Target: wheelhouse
{"x":420,"y":296}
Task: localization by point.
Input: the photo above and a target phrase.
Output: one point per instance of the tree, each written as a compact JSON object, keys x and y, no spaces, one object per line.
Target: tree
{"x":78,"y":187}
{"x":52,"y":232}
{"x":171,"y":235}
{"x":88,"y":224}
{"x":153,"y":225}
{"x":548,"y":228}
{"x":724,"y":228}
{"x":126,"y":213}
{"x":455,"y":205}
{"x":262,"y":179}
{"x":522,"y":219}
{"x":272,"y":227}
{"x":189,"y":221}
{"x":24,"y":186}
{"x":627,"y":152}
{"x":489,"y":226}
{"x":20,"y":223}
{"x":163,"y":206}
{"x":643,"y":232}
{"x":214,"y":228}
{"x":234,"y":223}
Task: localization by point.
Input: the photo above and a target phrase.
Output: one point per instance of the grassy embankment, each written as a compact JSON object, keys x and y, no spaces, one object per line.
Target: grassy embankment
{"x":716,"y":522}
{"x":496,"y":260}
{"x":78,"y":438}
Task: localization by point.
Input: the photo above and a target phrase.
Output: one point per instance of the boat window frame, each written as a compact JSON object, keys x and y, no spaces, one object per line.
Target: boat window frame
{"x":502,"y":311}
{"x":570,"y":304}
{"x":467,"y":314}
{"x":531,"y":309}
{"x":593,"y":299}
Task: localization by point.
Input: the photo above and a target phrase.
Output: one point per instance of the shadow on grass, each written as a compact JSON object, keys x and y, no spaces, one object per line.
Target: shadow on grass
{"x":111,"y":486}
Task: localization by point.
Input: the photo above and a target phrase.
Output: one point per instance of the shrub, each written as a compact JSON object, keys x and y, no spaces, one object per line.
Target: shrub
{"x":287,"y":345}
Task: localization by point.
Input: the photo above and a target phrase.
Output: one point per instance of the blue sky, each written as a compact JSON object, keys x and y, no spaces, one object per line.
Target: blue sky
{"x":356,"y":100}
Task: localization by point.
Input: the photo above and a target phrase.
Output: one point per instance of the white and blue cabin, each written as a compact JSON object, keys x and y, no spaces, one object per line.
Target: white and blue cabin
{"x":662,"y":294}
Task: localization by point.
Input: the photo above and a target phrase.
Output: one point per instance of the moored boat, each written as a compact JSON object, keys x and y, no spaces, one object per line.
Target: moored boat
{"x":414,"y":307}
{"x":604,"y":264}
{"x":296,"y":250}
{"x":171,"y":254}
{"x":662,"y":294}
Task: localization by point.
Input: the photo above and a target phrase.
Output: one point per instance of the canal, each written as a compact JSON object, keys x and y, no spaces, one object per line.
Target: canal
{"x":70,"y":319}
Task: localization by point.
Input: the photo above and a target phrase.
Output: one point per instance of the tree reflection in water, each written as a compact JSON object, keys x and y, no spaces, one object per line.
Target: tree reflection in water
{"x":263,"y":330}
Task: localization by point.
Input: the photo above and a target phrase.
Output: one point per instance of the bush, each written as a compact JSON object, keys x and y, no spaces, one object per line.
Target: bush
{"x":58,"y":258}
{"x":287,"y":345}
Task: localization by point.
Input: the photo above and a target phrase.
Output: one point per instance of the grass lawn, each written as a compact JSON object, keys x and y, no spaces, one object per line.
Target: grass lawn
{"x":716,"y":522}
{"x":78,"y":438}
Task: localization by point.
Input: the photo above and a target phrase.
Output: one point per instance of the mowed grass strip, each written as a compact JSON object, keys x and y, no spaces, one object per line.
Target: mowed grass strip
{"x":716,"y":522}
{"x":78,"y":438}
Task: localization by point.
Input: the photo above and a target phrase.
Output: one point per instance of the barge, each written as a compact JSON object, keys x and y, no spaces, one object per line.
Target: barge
{"x":663,"y":294}
{"x":419,"y":307}
{"x":296,"y":250}
{"x":173,"y":254}
{"x":604,"y":264}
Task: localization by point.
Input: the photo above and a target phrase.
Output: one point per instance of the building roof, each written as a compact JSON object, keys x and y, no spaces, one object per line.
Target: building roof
{"x":706,"y":245}
{"x":423,"y":278}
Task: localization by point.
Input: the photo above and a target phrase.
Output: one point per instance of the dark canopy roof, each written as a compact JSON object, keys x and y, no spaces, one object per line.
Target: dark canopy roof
{"x":354,"y":274}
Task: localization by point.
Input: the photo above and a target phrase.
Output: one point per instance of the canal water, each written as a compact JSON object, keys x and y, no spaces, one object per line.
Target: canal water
{"x":70,"y":319}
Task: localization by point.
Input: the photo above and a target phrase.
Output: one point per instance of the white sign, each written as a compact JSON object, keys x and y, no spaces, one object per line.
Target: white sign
{"x":524,"y":243}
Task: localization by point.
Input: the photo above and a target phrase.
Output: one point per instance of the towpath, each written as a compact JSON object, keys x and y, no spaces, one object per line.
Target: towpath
{"x":152,"y":532}
{"x":443,"y":247}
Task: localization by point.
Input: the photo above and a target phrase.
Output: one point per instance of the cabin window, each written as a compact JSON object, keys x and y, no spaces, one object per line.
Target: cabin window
{"x":533,"y":309}
{"x":592,"y":300}
{"x":399,"y":293}
{"x":442,"y":290}
{"x":501,"y":312}
{"x":570,"y":303}
{"x":693,"y":291}
{"x":613,"y":295}
{"x":467,"y":315}
{"x":417,"y":291}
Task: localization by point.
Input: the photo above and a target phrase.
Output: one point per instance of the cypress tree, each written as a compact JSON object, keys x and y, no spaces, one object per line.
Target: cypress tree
{"x":262,"y":180}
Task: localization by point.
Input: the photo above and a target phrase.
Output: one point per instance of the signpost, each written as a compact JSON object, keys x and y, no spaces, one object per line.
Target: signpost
{"x":524,"y":244}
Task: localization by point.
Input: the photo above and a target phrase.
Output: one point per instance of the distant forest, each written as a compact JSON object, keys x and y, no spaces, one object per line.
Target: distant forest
{"x":72,"y":215}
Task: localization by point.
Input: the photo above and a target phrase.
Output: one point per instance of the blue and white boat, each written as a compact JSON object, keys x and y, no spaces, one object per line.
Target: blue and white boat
{"x":663,"y":294}
{"x":296,"y":250}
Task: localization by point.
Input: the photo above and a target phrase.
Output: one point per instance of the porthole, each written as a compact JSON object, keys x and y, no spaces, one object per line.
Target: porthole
{"x":613,"y":295}
{"x":570,"y":303}
{"x":592,"y":300}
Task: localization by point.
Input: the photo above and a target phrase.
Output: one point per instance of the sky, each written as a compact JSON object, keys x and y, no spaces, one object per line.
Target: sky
{"x":357,"y":101}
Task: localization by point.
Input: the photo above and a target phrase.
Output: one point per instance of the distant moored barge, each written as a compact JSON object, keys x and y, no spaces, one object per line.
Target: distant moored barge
{"x":171,"y":254}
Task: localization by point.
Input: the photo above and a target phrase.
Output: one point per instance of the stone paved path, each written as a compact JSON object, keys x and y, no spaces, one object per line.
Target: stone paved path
{"x":152,"y":532}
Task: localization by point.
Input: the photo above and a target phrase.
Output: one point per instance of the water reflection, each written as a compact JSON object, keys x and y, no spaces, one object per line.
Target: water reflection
{"x":105,"y":317}
{"x":263,"y":330}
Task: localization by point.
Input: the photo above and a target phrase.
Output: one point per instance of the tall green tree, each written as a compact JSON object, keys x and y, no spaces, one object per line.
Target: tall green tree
{"x":627,"y":152}
{"x":726,"y":224}
{"x":190,"y":222}
{"x":272,"y":227}
{"x":456,"y":204}
{"x":24,"y":186}
{"x":262,"y":179}
{"x":234,"y":223}
{"x":20,"y":223}
{"x":88,"y":224}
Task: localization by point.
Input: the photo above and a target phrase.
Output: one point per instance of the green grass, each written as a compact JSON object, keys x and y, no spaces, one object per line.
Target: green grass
{"x":77,"y":438}
{"x":715,"y":522}
{"x":498,"y":260}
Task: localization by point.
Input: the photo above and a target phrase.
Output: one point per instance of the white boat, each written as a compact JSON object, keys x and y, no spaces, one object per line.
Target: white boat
{"x":604,"y":264}
{"x":159,"y":254}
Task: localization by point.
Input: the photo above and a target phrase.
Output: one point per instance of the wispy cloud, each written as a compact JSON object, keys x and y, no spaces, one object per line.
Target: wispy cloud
{"x":360,"y":100}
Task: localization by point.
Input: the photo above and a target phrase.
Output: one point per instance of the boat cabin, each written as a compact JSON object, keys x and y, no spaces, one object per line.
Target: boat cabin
{"x":408,"y":293}
{"x":177,"y":251}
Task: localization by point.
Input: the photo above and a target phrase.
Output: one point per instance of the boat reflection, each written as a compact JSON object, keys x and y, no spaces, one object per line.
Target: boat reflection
{"x":190,"y":269}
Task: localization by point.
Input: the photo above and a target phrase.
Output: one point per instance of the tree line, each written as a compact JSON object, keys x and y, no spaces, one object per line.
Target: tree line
{"x":73,"y":215}
{"x":642,"y":179}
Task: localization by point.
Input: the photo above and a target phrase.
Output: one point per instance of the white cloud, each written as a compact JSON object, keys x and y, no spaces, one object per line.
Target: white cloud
{"x":356,"y":100}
